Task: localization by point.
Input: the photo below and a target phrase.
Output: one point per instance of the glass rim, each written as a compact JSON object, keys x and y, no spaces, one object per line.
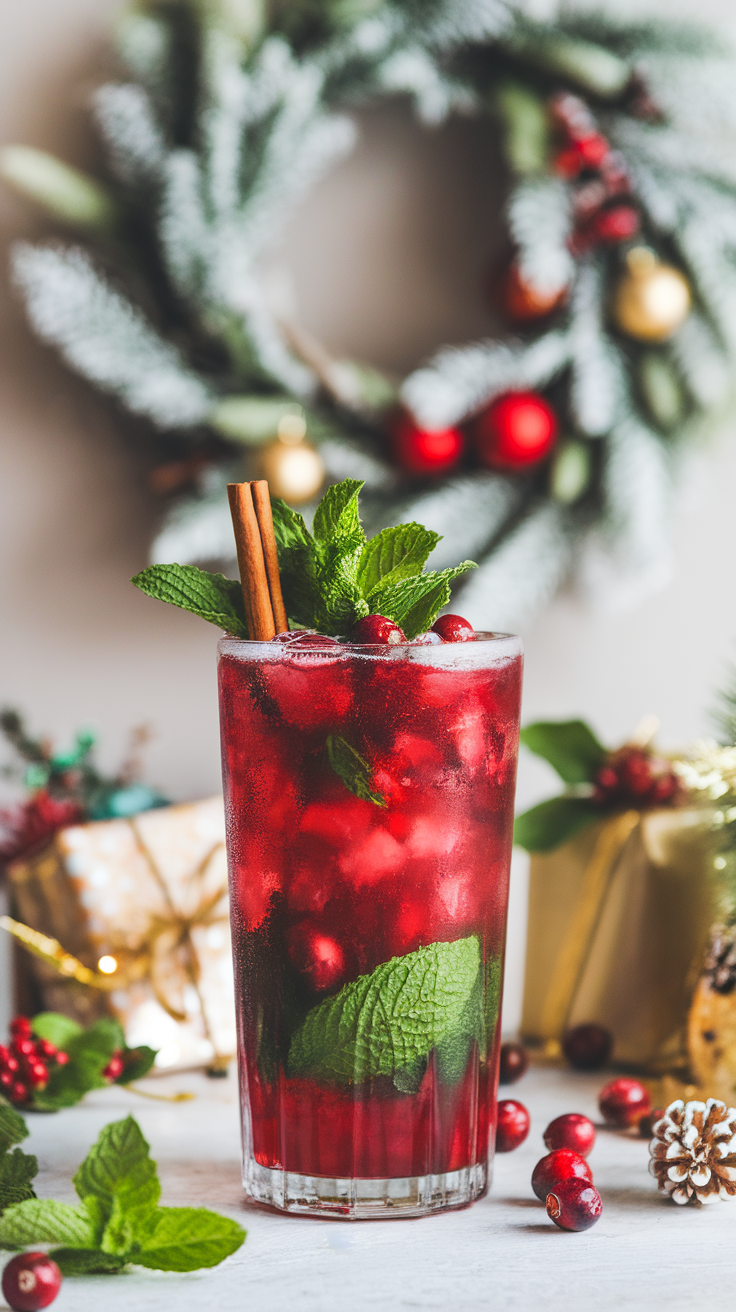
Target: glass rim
{"x":485,"y":641}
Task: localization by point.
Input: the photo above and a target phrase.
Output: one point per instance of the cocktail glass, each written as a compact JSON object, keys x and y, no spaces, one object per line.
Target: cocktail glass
{"x":369,"y":803}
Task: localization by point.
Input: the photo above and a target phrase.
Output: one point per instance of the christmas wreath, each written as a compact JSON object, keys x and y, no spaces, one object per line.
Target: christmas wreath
{"x":619,"y":291}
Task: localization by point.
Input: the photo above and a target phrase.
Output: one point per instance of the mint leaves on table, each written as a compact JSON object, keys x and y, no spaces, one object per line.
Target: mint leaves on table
{"x":118,"y":1220}
{"x":353,"y":769}
{"x":389,"y":1021}
{"x":573,"y":750}
{"x":17,"y":1168}
{"x":330,"y":577}
{"x":89,"y":1052}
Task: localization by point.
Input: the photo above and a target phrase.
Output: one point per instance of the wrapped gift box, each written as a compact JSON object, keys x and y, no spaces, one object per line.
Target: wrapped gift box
{"x":618,"y":922}
{"x":149,"y":892}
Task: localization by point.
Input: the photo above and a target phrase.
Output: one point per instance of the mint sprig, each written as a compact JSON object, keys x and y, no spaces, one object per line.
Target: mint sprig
{"x":390,"y":1020}
{"x":119,"y":1221}
{"x":353,"y":769}
{"x":17,"y":1168}
{"x":330,"y":577}
{"x":89,"y":1052}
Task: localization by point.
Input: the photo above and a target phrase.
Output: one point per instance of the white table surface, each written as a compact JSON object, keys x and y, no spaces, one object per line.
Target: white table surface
{"x":502,"y":1253}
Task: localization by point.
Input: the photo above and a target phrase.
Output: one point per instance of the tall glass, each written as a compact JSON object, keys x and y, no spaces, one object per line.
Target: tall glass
{"x":369,"y":801}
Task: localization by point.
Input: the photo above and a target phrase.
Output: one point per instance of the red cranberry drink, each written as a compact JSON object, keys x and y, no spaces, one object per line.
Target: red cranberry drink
{"x":369,"y":913}
{"x":369,"y":787}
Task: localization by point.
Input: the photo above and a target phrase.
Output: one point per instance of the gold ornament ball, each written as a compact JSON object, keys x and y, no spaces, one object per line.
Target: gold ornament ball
{"x":652,"y":300}
{"x":295,"y":471}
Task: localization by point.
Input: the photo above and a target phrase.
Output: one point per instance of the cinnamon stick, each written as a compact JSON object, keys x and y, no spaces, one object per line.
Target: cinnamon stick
{"x":262,"y":507}
{"x":253,"y":579}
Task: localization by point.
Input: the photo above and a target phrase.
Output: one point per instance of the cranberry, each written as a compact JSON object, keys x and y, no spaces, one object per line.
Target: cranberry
{"x":38,"y":1074}
{"x":45,"y":1049}
{"x":25,"y":1047}
{"x":19,"y":1092}
{"x":623,"y":1102}
{"x":513,"y":1125}
{"x":562,"y":1164}
{"x":62,"y":1057}
{"x":31,"y":1281}
{"x":571,"y":1131}
{"x":648,"y":1122}
{"x":374,"y":629}
{"x":316,"y":956}
{"x":6,"y":1079}
{"x":20,"y":1027}
{"x":114,"y":1068}
{"x":574,"y":1205}
{"x":587,"y":1047}
{"x":453,"y":628}
{"x":514,"y":1063}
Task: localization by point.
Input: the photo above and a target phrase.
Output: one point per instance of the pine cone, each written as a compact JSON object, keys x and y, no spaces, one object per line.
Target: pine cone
{"x":693,"y":1152}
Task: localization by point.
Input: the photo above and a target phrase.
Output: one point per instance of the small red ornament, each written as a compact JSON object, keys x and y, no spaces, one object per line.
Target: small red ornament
{"x":619,"y":223}
{"x":623,"y":1102}
{"x":517,"y":430}
{"x":453,"y":628}
{"x":571,"y":1131}
{"x":514,"y":1063}
{"x":587,"y":1047}
{"x":318,"y":957}
{"x":574,"y":1205}
{"x":562,"y":1164}
{"x":425,"y":451}
{"x":525,"y":303}
{"x":513,"y":1125}
{"x":377,"y":629}
{"x":31,"y":1281}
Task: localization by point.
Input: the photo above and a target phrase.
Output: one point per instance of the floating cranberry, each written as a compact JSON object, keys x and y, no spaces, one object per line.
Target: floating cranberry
{"x":377,"y":629}
{"x":316,"y":956}
{"x":31,"y":1281}
{"x":574,"y":1205}
{"x":513,"y":1125}
{"x":562,"y":1164}
{"x":453,"y":628}
{"x":587,"y":1047}
{"x":114,"y":1068}
{"x":623,"y":1102}
{"x":571,"y":1131}
{"x":513,"y":1064}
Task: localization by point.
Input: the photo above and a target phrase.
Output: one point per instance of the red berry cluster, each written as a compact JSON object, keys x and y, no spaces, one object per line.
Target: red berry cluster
{"x":634,"y":776}
{"x":26,"y":1063}
{"x":32,"y":824}
{"x":602,"y":199}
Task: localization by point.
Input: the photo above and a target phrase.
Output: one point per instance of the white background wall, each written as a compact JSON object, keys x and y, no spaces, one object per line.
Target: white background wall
{"x":387,"y":259}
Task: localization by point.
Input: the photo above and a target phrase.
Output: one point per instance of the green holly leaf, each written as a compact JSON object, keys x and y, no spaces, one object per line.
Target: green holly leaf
{"x":570,"y":746}
{"x":394,"y":554}
{"x":211,"y":596}
{"x":386,"y":1021}
{"x":89,"y":1053}
{"x":118,"y":1171}
{"x":43,"y":1221}
{"x":414,"y":603}
{"x":13,"y":1128}
{"x":55,"y":1028}
{"x":86,"y":1262}
{"x":552,"y":823}
{"x":353,"y":769}
{"x":187,"y":1239}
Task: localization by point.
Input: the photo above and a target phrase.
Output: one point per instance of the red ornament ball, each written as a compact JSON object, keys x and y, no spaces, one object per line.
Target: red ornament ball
{"x":425,"y":451}
{"x":587,"y":1047}
{"x":562,"y":1164}
{"x":31,"y":1281}
{"x":571,"y":1131}
{"x":514,"y":1063}
{"x":513,"y":1125}
{"x":517,"y":430}
{"x":623,"y":1102}
{"x":453,"y":628}
{"x":619,"y":223}
{"x":574,"y":1205}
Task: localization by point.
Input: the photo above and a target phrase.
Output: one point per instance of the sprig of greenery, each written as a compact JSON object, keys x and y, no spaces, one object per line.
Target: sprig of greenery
{"x":89,"y":1051}
{"x":330,"y":577}
{"x":119,"y":1220}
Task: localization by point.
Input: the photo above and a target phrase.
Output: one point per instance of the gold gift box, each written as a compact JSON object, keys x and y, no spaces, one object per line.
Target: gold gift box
{"x":618,"y":922}
{"x":150,"y":895}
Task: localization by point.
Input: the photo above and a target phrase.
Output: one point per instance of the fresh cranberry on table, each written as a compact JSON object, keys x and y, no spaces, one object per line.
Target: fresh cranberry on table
{"x":587,"y":1047}
{"x":513,"y":1125}
{"x":570,"y":1131}
{"x":513,"y":1064}
{"x":562,"y":1164}
{"x":453,"y":628}
{"x":623,"y":1102}
{"x":30,"y":1281}
{"x":574,"y":1205}
{"x":376,"y":629}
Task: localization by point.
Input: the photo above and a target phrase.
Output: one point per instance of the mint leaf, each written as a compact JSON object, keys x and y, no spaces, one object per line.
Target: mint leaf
{"x":393,"y":554}
{"x":551,"y":823}
{"x":17,"y":1169}
{"x":119,"y":1172}
{"x":337,"y":515}
{"x":42,"y":1221}
{"x":188,"y":1238}
{"x":13,"y":1128}
{"x":211,"y":596}
{"x":89,"y":1052}
{"x":298,"y":564}
{"x":86,"y":1262}
{"x":55,"y":1028}
{"x":383,"y":1022}
{"x":353,"y":769}
{"x":570,"y":746}
{"x":414,"y":603}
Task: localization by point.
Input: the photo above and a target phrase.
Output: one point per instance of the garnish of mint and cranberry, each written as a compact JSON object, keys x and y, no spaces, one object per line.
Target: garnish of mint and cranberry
{"x":50,"y":1061}
{"x":335,"y":581}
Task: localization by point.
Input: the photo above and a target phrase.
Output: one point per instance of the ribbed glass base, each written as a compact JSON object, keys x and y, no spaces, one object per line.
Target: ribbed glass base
{"x":365,"y":1200}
